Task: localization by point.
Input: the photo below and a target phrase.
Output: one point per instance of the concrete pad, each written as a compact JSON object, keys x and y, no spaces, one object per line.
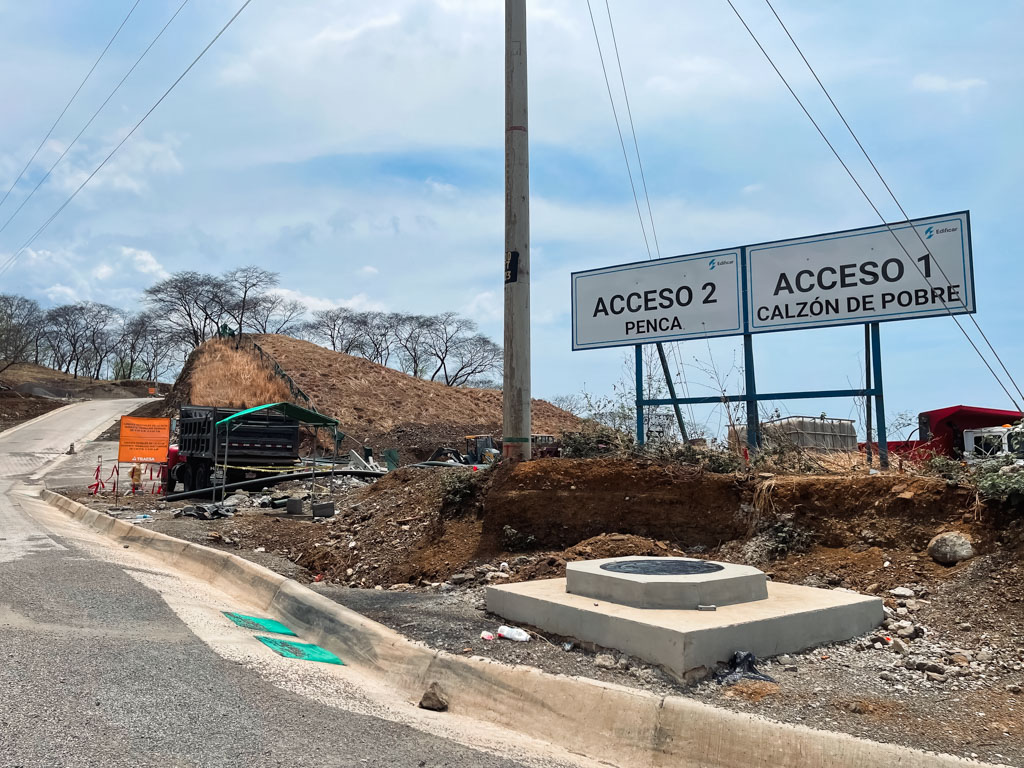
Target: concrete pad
{"x":681,"y":582}
{"x":790,"y":619}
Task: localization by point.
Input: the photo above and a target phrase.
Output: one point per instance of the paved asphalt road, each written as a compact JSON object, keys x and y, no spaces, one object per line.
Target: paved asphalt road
{"x":98,"y":669}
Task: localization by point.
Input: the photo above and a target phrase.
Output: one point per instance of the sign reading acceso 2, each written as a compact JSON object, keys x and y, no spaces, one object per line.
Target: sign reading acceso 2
{"x":918,"y":268}
{"x":681,"y":297}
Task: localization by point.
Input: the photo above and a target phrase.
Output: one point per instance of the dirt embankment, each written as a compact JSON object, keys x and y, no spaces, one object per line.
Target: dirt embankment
{"x":37,"y":380}
{"x":377,"y":403}
{"x":16,"y":408}
{"x":877,"y":510}
{"x":560,"y":502}
{"x":428,"y":524}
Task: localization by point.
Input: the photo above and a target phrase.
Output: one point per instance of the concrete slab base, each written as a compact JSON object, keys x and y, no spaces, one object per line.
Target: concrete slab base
{"x":625,"y":580}
{"x":791,"y":619}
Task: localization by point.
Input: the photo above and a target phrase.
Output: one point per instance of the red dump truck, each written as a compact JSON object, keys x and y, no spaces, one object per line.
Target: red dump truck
{"x":960,"y":431}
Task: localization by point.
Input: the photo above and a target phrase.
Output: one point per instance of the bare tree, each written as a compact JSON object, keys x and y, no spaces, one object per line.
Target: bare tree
{"x":338,"y":327}
{"x":20,"y":321}
{"x":67,"y":336}
{"x":379,"y":331}
{"x":273,"y":313}
{"x":246,"y":287}
{"x":471,"y":360}
{"x":189,"y":305}
{"x":133,"y":334}
{"x":100,"y":339}
{"x":412,"y":339}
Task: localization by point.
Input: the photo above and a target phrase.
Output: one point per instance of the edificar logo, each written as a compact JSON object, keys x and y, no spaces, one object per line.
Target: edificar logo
{"x":711,"y":264}
{"x":930,"y":232}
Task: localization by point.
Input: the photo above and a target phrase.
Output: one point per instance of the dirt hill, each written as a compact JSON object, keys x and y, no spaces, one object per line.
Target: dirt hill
{"x":40,"y":381}
{"x":375,"y":404}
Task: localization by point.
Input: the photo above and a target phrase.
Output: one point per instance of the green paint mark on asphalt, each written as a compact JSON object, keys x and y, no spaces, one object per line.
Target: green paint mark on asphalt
{"x":305,"y":651}
{"x":255,"y":622}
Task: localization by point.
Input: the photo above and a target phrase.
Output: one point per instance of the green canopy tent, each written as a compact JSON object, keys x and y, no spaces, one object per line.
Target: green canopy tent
{"x":302,"y":415}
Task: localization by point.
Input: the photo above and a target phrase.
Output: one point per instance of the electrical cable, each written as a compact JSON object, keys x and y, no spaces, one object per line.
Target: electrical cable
{"x":643,"y":179}
{"x":73,"y":96}
{"x":888,"y":189}
{"x":94,"y":116}
{"x":866,"y":196}
{"x":622,"y":142}
{"x":10,"y":262}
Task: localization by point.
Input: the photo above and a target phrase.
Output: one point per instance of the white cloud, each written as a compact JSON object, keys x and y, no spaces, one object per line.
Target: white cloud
{"x":441,"y":187}
{"x":146,"y":263}
{"x":368,"y":270}
{"x":128,"y":170}
{"x":940,"y":84}
{"x":752,"y":188}
{"x":102,"y":271}
{"x":346,"y":33}
{"x":62,"y":294}
{"x":360,"y":301}
{"x":486,"y":305}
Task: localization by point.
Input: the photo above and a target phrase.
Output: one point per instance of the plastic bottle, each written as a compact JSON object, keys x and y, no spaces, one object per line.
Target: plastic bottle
{"x":513,"y":633}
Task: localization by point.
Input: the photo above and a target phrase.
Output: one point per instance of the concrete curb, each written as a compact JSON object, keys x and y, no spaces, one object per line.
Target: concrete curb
{"x":599,"y":720}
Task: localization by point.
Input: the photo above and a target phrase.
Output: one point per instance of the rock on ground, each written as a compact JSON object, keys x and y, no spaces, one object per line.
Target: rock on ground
{"x":950,"y":548}
{"x":434,"y":699}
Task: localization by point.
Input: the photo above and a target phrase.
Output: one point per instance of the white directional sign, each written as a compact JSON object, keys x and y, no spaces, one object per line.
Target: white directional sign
{"x":683,"y":297}
{"x":921,"y":268}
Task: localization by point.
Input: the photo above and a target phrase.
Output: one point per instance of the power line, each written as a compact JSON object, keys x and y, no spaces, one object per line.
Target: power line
{"x":75,"y":94}
{"x":866,"y":196}
{"x":622,"y":142}
{"x":629,"y":112}
{"x":10,"y":262}
{"x":643,"y":179}
{"x":888,"y":189}
{"x":94,"y":116}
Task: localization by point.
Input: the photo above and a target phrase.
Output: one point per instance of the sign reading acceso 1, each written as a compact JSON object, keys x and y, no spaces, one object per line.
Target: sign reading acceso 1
{"x":918,"y":268}
{"x":682,"y":297}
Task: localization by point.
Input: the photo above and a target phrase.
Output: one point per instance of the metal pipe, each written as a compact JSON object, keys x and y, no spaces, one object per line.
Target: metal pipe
{"x":272,"y":480}
{"x":750,"y":392}
{"x":867,"y":385}
{"x":766,"y":396}
{"x":876,"y":360}
{"x":672,"y":391}
{"x":639,"y":394}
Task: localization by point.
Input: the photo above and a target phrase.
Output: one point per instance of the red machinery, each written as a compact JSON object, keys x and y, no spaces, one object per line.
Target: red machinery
{"x":941,"y":432}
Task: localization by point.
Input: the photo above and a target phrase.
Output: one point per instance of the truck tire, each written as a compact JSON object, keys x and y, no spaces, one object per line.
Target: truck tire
{"x":201,"y":477}
{"x":186,"y":478}
{"x":169,"y":483}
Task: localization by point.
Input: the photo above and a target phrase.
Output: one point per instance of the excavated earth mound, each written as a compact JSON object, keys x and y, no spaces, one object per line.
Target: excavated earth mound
{"x":373,"y":401}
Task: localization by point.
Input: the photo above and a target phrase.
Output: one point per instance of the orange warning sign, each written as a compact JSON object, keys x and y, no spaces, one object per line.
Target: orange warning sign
{"x":144,"y":440}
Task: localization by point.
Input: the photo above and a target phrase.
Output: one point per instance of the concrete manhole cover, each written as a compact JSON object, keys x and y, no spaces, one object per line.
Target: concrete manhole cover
{"x":662,"y":567}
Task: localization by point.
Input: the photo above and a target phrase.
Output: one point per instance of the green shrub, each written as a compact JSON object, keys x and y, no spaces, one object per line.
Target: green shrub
{"x":459,"y":487}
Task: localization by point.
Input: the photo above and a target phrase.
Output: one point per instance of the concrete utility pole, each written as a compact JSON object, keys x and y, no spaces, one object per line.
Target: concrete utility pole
{"x":516,"y":404}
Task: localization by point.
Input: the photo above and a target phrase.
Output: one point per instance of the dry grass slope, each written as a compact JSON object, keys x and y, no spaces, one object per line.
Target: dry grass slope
{"x":370,"y":399}
{"x":224,"y":376}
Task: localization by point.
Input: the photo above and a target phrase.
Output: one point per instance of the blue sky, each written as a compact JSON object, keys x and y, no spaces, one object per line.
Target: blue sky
{"x":357,"y":149}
